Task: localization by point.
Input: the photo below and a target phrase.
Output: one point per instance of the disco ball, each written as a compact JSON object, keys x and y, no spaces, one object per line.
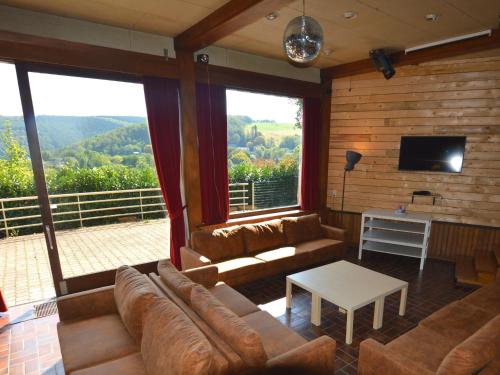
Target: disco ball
{"x":303,"y":39}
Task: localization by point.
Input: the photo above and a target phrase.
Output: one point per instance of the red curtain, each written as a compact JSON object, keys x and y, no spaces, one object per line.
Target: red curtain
{"x":212,"y":138}
{"x":3,"y":305}
{"x":162,"y":101}
{"x":311,"y":133}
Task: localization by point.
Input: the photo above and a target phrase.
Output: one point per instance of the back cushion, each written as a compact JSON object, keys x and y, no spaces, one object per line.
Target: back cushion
{"x":134,"y":294}
{"x":302,"y":229}
{"x":224,"y":243}
{"x":172,"y":344}
{"x":263,"y":236}
{"x":235,"y":331}
{"x":475,"y":353}
{"x":176,"y":281}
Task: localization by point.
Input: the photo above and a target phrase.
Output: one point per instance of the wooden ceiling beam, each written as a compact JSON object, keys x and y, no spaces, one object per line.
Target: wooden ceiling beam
{"x":400,"y":58}
{"x":224,"y":21}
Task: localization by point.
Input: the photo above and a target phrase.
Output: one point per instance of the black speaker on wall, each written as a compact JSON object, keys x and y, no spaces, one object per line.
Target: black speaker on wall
{"x":382,"y":63}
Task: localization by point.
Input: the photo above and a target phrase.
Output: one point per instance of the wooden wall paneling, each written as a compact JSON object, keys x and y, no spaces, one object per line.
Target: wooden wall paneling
{"x":370,"y":114}
{"x":447,"y":240}
{"x":190,"y":138}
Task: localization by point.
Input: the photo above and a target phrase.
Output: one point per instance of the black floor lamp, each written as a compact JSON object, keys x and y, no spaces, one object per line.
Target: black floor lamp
{"x":352,"y":158}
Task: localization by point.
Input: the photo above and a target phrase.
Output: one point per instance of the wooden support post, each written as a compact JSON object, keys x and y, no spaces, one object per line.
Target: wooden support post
{"x":189,"y":134}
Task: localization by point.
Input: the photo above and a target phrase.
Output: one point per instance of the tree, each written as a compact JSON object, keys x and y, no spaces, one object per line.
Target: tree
{"x":299,"y":102}
{"x":16,"y":176}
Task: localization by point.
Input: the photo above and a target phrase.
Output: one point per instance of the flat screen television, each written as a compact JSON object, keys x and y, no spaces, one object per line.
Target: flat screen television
{"x":430,"y":153}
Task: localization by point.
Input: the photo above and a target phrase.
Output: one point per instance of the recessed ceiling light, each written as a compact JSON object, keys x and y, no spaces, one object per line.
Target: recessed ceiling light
{"x":431,"y":17}
{"x":349,"y":15}
{"x":272,"y":16}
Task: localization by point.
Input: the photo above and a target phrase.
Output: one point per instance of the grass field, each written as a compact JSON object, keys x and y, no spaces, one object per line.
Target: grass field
{"x":275,"y":130}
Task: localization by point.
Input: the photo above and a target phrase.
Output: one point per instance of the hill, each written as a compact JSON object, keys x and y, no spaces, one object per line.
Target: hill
{"x":56,"y":132}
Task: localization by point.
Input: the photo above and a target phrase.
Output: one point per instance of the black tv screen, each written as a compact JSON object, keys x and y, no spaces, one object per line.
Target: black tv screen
{"x":436,"y":154}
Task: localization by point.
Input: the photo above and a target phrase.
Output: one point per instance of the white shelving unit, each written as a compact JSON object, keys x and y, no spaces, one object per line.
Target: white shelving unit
{"x":385,"y":231}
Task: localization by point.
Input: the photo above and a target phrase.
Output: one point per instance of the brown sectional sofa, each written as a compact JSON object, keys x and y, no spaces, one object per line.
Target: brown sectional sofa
{"x":252,"y":251}
{"x":180,"y":323}
{"x":463,"y":338}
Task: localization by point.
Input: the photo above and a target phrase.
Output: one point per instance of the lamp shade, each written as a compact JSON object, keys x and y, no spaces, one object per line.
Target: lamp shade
{"x":352,"y":158}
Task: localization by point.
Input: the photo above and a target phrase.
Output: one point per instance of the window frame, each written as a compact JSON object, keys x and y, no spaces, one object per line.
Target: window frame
{"x":272,"y":210}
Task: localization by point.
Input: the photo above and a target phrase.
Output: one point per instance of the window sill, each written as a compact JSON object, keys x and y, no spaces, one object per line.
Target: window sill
{"x":257,"y":216}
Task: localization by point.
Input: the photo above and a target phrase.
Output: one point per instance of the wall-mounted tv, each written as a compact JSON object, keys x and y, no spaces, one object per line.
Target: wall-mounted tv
{"x":430,"y":153}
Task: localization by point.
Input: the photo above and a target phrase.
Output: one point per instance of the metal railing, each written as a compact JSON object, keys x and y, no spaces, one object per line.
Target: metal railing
{"x":77,"y":209}
{"x":241,"y":196}
{"x":21,"y":215}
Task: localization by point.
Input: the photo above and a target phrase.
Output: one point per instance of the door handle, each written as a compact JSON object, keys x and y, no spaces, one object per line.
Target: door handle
{"x":49,"y":236}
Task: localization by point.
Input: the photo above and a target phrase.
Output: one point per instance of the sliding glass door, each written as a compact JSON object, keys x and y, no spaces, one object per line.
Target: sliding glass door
{"x":100,"y":200}
{"x":25,"y":274}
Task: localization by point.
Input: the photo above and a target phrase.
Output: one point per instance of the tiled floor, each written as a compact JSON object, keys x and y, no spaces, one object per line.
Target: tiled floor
{"x":428,"y":291}
{"x":31,"y":347}
{"x":27,"y":345}
{"x":24,"y":266}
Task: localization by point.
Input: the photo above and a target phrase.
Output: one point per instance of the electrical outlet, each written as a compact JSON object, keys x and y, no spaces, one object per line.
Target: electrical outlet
{"x":334,"y":194}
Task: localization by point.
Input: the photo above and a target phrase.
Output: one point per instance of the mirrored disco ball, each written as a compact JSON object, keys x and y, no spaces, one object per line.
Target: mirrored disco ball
{"x":303,"y":39}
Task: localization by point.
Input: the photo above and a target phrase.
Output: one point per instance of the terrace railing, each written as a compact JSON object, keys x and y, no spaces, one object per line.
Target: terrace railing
{"x":21,"y":215}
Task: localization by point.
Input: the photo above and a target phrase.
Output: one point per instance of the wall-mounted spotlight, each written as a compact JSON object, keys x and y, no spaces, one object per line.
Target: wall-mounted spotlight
{"x":382,"y":62}
{"x":203,"y":58}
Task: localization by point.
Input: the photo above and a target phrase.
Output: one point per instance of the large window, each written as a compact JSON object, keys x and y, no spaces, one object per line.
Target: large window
{"x":264,"y":149}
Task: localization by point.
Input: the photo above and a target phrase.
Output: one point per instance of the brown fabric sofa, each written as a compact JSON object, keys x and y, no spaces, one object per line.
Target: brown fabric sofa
{"x":252,"y":251}
{"x":247,"y":339}
{"x":170,"y":324}
{"x":463,"y":338}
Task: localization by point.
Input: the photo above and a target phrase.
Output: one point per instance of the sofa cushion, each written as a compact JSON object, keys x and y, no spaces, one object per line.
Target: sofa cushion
{"x":487,"y":298}
{"x":263,"y":236}
{"x":233,"y":300}
{"x":475,"y":353}
{"x":235,"y":267}
{"x":180,"y":284}
{"x":224,"y":243}
{"x":134,"y":294}
{"x":276,"y":338}
{"x":129,"y":365}
{"x":302,"y":228}
{"x":284,"y":258}
{"x":172,"y":343}
{"x":234,"y":330}
{"x":457,"y":321}
{"x":322,"y":249}
{"x":88,"y":342}
{"x":423,"y":346}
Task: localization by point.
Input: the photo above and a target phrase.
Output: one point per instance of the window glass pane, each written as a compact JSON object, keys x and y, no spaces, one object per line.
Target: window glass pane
{"x":264,"y":150}
{"x":24,"y":265}
{"x":106,"y":202}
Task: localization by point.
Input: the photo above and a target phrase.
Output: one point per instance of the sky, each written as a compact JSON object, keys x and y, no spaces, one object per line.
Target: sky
{"x":75,"y":96}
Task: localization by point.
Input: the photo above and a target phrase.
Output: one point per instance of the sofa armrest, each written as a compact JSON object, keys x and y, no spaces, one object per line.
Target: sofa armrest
{"x":315,"y":357}
{"x":207,"y":276}
{"x":333,"y":233}
{"x":192,"y":259}
{"x":88,"y":304}
{"x":375,"y":359}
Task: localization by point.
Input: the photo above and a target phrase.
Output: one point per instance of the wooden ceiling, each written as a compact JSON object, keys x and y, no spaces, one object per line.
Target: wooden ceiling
{"x":390,"y":24}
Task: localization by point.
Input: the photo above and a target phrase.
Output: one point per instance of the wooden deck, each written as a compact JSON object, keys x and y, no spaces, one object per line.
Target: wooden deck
{"x":24,"y":265}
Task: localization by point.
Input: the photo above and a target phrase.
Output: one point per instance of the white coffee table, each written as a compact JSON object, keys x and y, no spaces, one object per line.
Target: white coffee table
{"x":348,"y":286}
